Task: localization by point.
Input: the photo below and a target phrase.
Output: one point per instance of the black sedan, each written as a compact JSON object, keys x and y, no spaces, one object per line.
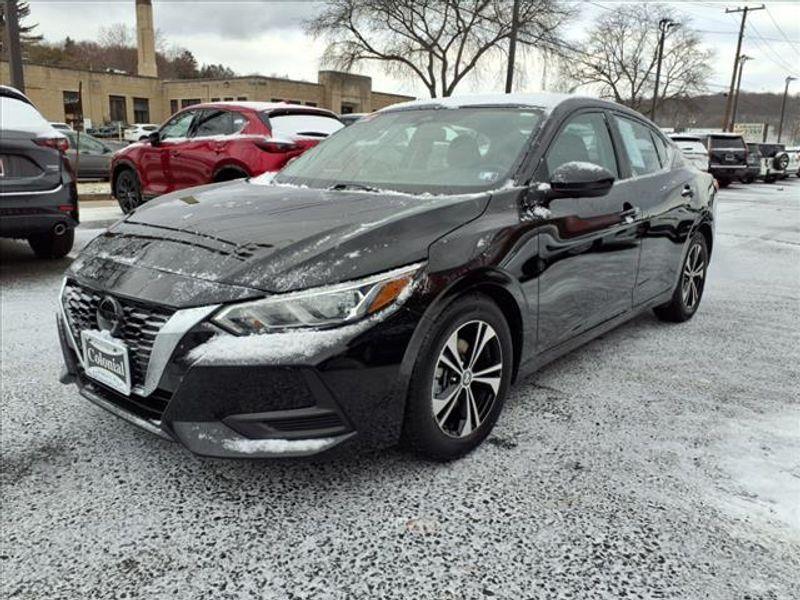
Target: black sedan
{"x":390,"y":284}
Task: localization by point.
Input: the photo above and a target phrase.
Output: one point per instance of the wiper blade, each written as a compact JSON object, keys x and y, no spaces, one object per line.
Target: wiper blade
{"x":312,"y":133}
{"x":353,"y":186}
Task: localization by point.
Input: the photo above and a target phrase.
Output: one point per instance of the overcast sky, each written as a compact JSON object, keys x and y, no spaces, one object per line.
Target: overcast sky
{"x":258,"y":36}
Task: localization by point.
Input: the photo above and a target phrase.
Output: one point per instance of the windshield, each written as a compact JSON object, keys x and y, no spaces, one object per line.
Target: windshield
{"x":427,"y":150}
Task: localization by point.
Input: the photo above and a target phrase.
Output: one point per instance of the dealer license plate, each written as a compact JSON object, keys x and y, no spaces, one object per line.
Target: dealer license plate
{"x":105,"y":359}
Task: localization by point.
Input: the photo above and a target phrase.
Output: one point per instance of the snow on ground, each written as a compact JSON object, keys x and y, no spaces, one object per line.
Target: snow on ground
{"x":659,"y":461}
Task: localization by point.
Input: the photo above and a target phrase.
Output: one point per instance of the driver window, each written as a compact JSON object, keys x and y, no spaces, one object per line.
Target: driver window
{"x":585,"y":138}
{"x":178,"y":126}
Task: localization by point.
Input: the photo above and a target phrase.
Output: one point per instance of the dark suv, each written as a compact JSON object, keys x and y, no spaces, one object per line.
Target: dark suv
{"x":727,"y":155}
{"x":38,"y":195}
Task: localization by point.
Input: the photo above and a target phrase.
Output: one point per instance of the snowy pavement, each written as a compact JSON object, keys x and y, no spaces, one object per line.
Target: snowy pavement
{"x":660,"y":461}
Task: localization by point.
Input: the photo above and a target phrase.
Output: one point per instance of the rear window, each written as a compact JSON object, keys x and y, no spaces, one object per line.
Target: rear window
{"x":15,"y":114}
{"x":291,"y":125}
{"x":770,"y":150}
{"x":719,"y":142}
{"x":693,"y":146}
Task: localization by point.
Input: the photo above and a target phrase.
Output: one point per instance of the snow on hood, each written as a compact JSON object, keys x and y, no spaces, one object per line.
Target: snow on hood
{"x":280,"y":239}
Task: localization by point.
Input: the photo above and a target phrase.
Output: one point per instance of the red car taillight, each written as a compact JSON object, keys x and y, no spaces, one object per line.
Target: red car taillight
{"x":56,"y":143}
{"x":276,"y":146}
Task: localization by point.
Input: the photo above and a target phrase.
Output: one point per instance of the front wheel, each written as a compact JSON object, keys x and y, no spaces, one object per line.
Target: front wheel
{"x":689,"y":291}
{"x":460,"y":380}
{"x":127,"y":191}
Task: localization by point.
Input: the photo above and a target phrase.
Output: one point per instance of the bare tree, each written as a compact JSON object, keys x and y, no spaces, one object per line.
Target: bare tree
{"x":438,"y":42}
{"x":620,"y":56}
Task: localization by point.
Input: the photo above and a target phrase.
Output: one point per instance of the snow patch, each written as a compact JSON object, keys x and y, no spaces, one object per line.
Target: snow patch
{"x":278,"y":446}
{"x":273,"y":347}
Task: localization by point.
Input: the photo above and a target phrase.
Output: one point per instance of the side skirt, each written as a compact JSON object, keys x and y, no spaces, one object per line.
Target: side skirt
{"x":545,"y":358}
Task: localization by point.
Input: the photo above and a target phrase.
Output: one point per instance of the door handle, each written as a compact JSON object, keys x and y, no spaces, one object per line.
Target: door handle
{"x":687,"y":191}
{"x":629,"y":213}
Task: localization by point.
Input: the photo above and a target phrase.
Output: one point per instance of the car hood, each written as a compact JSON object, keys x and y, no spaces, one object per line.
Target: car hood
{"x":243,"y":237}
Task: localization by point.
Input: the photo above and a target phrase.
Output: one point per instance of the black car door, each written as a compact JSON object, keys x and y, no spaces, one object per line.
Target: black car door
{"x":663,"y":188}
{"x":589,"y":248}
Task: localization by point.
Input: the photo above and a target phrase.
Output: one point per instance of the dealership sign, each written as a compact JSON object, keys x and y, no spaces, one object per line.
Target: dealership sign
{"x":752,"y":132}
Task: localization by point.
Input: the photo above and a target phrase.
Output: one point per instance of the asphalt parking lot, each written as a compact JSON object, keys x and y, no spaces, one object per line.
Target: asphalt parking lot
{"x":660,"y":461}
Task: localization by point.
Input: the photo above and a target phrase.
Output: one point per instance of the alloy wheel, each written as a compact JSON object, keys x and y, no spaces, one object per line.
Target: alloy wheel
{"x":467,"y":378}
{"x":693,"y":276}
{"x":127,"y":194}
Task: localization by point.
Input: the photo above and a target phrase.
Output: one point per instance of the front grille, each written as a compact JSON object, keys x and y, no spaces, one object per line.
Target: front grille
{"x":140,"y":325}
{"x":151,"y":408}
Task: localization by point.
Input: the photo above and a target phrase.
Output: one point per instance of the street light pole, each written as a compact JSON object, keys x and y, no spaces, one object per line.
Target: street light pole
{"x":783,"y":106}
{"x":742,"y":59}
{"x":663,"y":26}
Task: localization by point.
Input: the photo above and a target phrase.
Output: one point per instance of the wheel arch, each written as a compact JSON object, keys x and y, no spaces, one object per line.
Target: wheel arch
{"x":499,"y":287}
{"x":229,"y":167}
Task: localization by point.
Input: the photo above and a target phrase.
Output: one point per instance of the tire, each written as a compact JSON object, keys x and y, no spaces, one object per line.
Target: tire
{"x":128,"y":191}
{"x":229,"y":175}
{"x":448,"y":344}
{"x":723,"y":183}
{"x":49,"y":245}
{"x":769,"y":179}
{"x":689,"y":290}
{"x":781,"y":161}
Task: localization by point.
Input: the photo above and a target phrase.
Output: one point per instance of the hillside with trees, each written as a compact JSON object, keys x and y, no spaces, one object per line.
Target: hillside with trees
{"x":705,"y":111}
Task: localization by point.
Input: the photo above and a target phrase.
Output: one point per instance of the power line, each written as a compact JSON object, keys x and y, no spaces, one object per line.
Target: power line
{"x":782,"y":32}
{"x":775,"y":58}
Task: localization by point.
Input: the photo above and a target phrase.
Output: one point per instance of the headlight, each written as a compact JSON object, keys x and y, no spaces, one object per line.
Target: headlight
{"x":320,"y":307}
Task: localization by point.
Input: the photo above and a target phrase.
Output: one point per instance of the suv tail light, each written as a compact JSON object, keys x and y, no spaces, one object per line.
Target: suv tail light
{"x":275,"y":145}
{"x":56,"y":143}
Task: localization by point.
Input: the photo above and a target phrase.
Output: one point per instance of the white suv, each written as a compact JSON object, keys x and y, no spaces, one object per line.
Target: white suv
{"x":139,"y":131}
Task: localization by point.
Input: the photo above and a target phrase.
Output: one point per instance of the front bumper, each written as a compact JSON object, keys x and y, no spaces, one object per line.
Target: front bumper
{"x":352,"y":390}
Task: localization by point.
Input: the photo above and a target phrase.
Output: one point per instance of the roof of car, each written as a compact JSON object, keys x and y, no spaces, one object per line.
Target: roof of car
{"x":541,"y":100}
{"x":260,"y":106}
{"x":10,"y":92}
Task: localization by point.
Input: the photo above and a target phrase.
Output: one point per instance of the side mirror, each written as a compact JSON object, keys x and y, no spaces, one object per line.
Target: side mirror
{"x":580,"y":180}
{"x":154,"y":138}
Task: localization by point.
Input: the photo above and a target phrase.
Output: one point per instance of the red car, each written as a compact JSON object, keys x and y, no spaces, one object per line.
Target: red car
{"x":218,"y":141}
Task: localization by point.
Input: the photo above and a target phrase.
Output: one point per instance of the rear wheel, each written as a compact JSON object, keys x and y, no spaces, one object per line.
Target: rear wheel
{"x":52,"y":244}
{"x":460,"y":380}
{"x":689,"y":291}
{"x":128,"y":191}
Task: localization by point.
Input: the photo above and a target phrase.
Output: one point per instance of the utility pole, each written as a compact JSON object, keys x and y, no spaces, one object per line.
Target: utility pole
{"x":728,"y":103}
{"x":14,"y":48}
{"x":783,"y":106}
{"x":664,"y":25}
{"x":512,"y":47}
{"x":742,"y":59}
